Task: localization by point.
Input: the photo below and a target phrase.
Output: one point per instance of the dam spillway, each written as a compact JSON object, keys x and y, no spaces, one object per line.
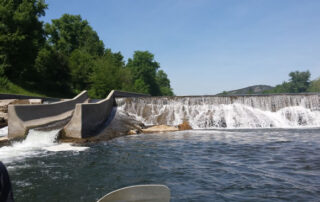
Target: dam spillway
{"x":242,"y":111}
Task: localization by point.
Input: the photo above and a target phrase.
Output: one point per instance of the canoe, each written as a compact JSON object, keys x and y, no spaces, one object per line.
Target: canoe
{"x":141,"y":193}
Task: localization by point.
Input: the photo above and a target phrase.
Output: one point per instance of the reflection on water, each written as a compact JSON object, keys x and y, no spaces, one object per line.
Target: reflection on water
{"x":228,"y":165}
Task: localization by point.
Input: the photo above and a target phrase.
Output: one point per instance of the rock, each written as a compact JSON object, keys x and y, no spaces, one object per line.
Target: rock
{"x":140,"y":126}
{"x":20,"y":102}
{"x":35,"y":101}
{"x":3,"y":119}
{"x":133,"y":132}
{"x":160,"y":128}
{"x":4,"y":104}
{"x":3,"y":140}
{"x":185,"y":126}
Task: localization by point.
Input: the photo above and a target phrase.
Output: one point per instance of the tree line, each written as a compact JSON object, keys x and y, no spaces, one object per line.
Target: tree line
{"x":67,"y":56}
{"x":299,"y":82}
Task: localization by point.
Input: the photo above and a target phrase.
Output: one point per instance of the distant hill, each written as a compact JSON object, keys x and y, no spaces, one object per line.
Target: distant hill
{"x":256,"y":89}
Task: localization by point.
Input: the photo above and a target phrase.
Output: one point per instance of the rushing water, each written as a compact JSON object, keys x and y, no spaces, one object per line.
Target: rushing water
{"x":204,"y":165}
{"x":209,"y":112}
{"x":37,"y":143}
{"x":3,"y":131}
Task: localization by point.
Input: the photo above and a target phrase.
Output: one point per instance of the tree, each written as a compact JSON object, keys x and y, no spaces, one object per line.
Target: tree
{"x":81,"y":67}
{"x":52,"y":71}
{"x":108,"y":74}
{"x":300,"y":81}
{"x":164,"y":83}
{"x":141,"y":87}
{"x":314,"y":86}
{"x":70,"y":32}
{"x":73,"y":37}
{"x":285,"y":87}
{"x":143,"y":68}
{"x":21,"y":36}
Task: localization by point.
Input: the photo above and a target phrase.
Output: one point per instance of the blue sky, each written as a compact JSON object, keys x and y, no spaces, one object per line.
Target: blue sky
{"x":207,"y":46}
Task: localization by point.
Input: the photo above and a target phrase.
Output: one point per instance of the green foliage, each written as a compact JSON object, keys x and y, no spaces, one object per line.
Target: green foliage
{"x":299,"y":82}
{"x":13,"y":88}
{"x":3,"y":79}
{"x":21,"y":36}
{"x":3,"y":82}
{"x":141,"y":87}
{"x":81,"y":65}
{"x":282,"y":88}
{"x":315,"y":86}
{"x":108,"y":74}
{"x":74,"y":38}
{"x":143,"y":67}
{"x":145,"y":74}
{"x":164,"y":83}
{"x":52,"y":71}
{"x":70,"y":32}
{"x":66,"y":56}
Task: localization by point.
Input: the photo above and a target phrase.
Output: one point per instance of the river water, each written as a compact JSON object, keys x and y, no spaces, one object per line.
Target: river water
{"x":197,"y":165}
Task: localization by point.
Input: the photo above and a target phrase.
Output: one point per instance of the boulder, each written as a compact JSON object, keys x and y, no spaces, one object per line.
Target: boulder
{"x":133,"y":132}
{"x":3,"y":141}
{"x":185,"y":126}
{"x":160,"y":128}
{"x":35,"y":101}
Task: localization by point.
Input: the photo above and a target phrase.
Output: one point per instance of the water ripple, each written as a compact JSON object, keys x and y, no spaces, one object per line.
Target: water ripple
{"x":216,"y":165}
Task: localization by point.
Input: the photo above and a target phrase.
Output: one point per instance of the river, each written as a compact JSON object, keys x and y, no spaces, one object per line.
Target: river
{"x":197,"y":165}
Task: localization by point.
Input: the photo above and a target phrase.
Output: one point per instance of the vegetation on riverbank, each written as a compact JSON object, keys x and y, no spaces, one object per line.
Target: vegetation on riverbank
{"x":11,"y":88}
{"x":66,"y":56}
{"x":299,"y":82}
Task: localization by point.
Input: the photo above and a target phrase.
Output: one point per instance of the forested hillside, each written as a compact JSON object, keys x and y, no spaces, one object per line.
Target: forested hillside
{"x":66,"y":56}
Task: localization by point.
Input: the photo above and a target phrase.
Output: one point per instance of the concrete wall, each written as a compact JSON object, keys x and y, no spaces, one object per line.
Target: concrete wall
{"x":23,"y":117}
{"x":88,"y":118}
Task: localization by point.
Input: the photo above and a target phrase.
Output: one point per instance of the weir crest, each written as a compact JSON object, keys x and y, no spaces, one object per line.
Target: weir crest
{"x":209,"y":112}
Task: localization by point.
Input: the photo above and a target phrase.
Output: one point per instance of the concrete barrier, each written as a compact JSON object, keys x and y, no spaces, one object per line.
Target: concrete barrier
{"x":23,"y":117}
{"x":88,"y":118}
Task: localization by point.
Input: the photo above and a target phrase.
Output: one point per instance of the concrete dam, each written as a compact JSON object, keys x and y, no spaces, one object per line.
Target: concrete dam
{"x":78,"y":117}
{"x":122,"y":111}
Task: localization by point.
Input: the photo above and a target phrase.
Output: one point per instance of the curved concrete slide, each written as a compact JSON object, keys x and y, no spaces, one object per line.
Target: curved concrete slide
{"x":88,"y":118}
{"x":23,"y":117}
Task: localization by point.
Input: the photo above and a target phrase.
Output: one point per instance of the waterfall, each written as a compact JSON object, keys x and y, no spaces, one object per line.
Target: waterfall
{"x":208,"y":112}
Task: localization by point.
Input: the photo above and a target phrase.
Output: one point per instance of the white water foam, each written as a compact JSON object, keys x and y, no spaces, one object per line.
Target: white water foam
{"x":37,"y":143}
{"x":209,"y":113}
{"x":65,"y":147}
{"x":4,"y":131}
